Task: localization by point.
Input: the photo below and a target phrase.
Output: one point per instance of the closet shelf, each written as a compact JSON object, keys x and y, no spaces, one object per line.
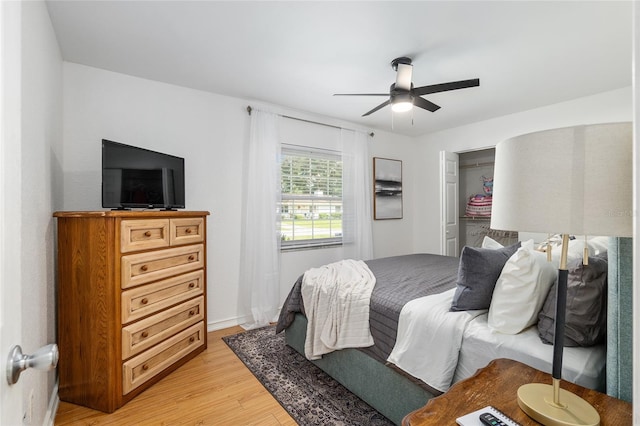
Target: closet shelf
{"x":475,"y":165}
{"x":476,"y":217}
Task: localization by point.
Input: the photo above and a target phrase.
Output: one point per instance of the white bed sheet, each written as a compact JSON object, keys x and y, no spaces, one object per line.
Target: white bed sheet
{"x":427,"y":326}
{"x":583,"y":366}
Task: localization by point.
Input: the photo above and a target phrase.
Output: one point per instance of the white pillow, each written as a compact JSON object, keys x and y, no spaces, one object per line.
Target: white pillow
{"x":596,"y":245}
{"x":490,"y":243}
{"x":521,"y":290}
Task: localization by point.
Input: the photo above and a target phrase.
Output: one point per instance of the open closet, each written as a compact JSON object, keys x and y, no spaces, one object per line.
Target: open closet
{"x":466,"y":185}
{"x":476,"y":185}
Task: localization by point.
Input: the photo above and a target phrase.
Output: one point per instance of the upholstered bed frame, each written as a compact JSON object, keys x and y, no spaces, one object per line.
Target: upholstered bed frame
{"x":395,"y":395}
{"x":391,"y":393}
{"x":620,"y":319}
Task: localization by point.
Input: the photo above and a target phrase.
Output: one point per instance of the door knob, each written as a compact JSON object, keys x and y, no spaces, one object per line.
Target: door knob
{"x":45,"y":358}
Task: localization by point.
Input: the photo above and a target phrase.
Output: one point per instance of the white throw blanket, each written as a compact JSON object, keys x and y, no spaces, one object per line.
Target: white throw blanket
{"x":336,"y":302}
{"x":429,"y":339}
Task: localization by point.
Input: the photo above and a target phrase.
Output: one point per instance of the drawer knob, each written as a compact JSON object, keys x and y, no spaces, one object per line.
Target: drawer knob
{"x":145,"y":334}
{"x":192,"y":339}
{"x":147,"y":234}
{"x":192,"y":258}
{"x":144,"y":301}
{"x":145,"y":367}
{"x":144,"y":268}
{"x":192,"y":285}
{"x":192,"y":313}
{"x":187,"y":231}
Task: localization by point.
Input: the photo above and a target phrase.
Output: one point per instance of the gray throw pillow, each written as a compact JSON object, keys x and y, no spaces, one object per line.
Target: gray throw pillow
{"x":478,"y":271}
{"x":586,"y":317}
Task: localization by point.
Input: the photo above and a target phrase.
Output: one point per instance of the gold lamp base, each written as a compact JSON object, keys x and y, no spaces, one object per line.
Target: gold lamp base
{"x":537,"y":400}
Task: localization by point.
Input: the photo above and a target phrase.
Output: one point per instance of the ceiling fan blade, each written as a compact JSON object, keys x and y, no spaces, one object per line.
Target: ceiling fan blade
{"x":425,"y":104}
{"x":382,"y":105}
{"x":403,"y":77}
{"x":443,"y":87}
{"x":360,"y":94}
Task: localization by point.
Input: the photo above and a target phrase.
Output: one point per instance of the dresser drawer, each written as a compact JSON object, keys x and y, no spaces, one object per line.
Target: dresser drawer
{"x":148,"y":299}
{"x":147,"y":365}
{"x":186,"y":231}
{"x":144,"y":234}
{"x":151,"y":266}
{"x":143,"y":334}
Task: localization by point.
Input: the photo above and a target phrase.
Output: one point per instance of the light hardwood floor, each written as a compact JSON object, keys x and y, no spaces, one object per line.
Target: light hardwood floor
{"x":215,"y":388}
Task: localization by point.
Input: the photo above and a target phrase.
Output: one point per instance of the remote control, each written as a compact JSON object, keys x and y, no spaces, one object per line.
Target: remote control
{"x":491,"y":420}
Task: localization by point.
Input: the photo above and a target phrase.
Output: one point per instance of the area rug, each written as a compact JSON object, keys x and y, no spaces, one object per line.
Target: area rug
{"x":308,"y":394}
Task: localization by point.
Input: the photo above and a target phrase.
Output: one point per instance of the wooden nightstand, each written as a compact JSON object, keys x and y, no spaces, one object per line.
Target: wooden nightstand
{"x":497,"y":385}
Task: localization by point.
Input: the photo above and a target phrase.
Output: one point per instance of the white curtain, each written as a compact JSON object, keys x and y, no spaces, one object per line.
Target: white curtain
{"x":357,"y":238}
{"x":260,"y":257}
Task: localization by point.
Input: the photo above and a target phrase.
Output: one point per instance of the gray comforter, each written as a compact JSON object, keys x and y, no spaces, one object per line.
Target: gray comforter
{"x":399,"y":279}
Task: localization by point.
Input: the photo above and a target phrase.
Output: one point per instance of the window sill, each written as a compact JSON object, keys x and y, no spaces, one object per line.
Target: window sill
{"x":310,"y":247}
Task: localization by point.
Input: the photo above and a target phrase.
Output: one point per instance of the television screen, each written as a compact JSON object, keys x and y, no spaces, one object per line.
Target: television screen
{"x":135,"y":177}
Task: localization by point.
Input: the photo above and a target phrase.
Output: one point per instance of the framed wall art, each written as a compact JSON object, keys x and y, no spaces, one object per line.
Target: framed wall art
{"x":387,"y":197}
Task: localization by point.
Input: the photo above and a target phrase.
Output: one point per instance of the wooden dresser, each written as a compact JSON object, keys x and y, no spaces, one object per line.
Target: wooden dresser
{"x":131,"y":301}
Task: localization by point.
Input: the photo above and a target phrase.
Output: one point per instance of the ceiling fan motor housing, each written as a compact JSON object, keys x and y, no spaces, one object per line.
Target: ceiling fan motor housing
{"x":400,"y":95}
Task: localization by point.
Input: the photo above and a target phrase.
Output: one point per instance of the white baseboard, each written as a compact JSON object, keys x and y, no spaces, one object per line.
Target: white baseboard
{"x":52,"y":409}
{"x":231,"y":322}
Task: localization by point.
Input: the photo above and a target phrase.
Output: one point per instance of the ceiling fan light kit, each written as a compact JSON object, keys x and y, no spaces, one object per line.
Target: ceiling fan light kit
{"x":403,"y":106}
{"x":403,"y":96}
{"x":401,"y":102}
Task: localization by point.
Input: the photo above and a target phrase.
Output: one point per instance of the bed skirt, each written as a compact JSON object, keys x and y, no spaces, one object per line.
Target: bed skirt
{"x":388,"y":391}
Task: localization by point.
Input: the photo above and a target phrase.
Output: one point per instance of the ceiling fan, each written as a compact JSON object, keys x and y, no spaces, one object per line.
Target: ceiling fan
{"x":403,"y":96}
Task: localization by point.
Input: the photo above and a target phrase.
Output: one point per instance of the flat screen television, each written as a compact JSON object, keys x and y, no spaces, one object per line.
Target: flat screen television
{"x":135,"y":177}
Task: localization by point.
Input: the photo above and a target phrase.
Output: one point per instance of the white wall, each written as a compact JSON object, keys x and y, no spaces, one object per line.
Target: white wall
{"x":605,"y":107}
{"x":390,"y":236}
{"x":210,"y":131}
{"x":41,"y":188}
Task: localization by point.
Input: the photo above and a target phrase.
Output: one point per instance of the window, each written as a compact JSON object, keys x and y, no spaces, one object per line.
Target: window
{"x":311,"y":198}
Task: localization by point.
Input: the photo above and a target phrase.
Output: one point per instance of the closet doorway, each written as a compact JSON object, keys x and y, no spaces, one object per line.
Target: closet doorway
{"x":466,"y":184}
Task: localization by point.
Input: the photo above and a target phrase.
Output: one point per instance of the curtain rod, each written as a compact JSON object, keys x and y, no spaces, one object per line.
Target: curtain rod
{"x":249,"y":109}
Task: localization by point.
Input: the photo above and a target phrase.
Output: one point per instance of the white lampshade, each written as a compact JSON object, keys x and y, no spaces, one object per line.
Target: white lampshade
{"x":574,"y":180}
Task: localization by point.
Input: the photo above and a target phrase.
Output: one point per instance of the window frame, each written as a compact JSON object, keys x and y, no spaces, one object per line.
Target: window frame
{"x":310,"y":152}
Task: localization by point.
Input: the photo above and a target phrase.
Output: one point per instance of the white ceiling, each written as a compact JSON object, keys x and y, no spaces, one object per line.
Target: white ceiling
{"x":298,"y":54}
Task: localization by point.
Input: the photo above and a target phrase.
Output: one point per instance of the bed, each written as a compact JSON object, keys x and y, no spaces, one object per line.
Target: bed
{"x":400,"y":282}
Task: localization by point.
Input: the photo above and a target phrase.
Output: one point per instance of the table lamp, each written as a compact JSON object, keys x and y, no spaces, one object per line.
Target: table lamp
{"x":569,"y":181}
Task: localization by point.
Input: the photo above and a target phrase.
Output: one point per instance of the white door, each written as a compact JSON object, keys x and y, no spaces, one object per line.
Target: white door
{"x":10,"y":204}
{"x":449,"y":203}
